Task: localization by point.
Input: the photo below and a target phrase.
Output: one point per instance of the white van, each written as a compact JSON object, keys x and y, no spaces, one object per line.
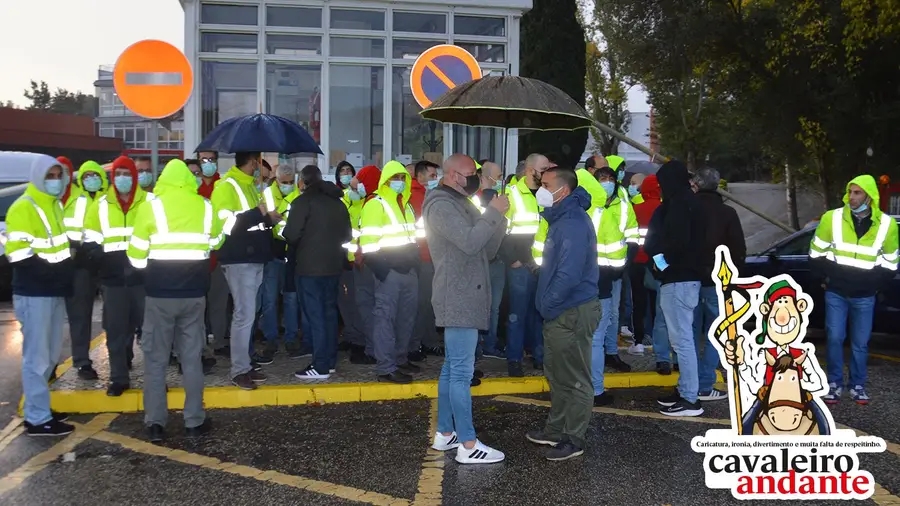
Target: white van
{"x":8,"y":179}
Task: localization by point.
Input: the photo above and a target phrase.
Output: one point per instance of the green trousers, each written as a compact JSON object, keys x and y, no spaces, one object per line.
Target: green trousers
{"x":567,"y":366}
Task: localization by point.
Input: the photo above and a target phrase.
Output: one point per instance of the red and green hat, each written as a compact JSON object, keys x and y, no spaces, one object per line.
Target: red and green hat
{"x":775,"y":292}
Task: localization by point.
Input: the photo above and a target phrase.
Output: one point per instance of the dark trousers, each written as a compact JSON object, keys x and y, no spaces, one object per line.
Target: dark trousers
{"x":567,"y":365}
{"x":79,"y":309}
{"x":319,"y":309}
{"x":639,"y":295}
{"x":424,"y":331}
{"x":123,"y":311}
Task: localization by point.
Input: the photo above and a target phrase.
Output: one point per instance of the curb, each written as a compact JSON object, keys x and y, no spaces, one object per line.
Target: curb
{"x":96,"y":401}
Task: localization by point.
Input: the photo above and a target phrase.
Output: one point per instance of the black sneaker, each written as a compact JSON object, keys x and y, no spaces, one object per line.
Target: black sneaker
{"x":293,"y":351}
{"x":224,"y":351}
{"x":257,"y":376}
{"x":310,"y":373}
{"x":156,"y":433}
{"x":564,"y":451}
{"x":116,"y":389}
{"x":515,"y":369}
{"x":395,"y":377}
{"x":616,"y":362}
{"x":669,"y":400}
{"x":478,"y":373}
{"x":683,"y":408}
{"x":539,"y":437}
{"x":416,"y":356}
{"x":244,"y":382}
{"x":262,"y":359}
{"x":475,"y":382}
{"x":664,"y":368}
{"x":87,"y":373}
{"x":255,"y":366}
{"x":408,"y":367}
{"x":200,"y":430}
{"x":604,"y":399}
{"x":59,"y":417}
{"x":51,"y":428}
{"x":437,"y":351}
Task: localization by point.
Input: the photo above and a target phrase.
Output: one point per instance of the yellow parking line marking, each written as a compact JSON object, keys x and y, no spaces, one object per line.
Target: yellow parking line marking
{"x":320,"y":487}
{"x":42,"y":460}
{"x":885,"y":357}
{"x":10,"y":433}
{"x":882,"y":497}
{"x":620,"y":412}
{"x":431,"y":479}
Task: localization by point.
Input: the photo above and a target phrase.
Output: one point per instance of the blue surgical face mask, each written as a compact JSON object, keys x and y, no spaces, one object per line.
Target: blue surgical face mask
{"x":398,"y":186}
{"x":92,"y":183}
{"x":54,"y":187}
{"x":123,"y":183}
{"x":861,"y":209}
{"x":145,"y":179}
{"x":345,"y":179}
{"x":209,"y":168}
{"x":620,"y":175}
{"x":609,"y":187}
{"x":633,"y":191}
{"x":355,"y":197}
{"x":498,"y":185}
{"x":431,"y":185}
{"x":286,"y":189}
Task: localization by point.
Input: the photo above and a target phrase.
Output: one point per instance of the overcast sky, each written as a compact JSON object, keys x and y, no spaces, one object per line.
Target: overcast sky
{"x":63,"y":42}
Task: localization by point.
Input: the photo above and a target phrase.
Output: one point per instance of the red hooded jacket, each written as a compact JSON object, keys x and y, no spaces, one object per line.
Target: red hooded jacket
{"x":123,"y":162}
{"x":644,"y":211}
{"x":416,"y":199}
{"x":206,"y":190}
{"x":369,"y":177}
{"x":71,"y":172}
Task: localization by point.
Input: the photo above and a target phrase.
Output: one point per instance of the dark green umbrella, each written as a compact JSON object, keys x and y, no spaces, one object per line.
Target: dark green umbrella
{"x":508,"y":102}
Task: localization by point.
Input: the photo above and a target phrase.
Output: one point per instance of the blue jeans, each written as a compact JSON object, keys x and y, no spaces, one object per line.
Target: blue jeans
{"x":678,"y":301}
{"x":319,"y":294}
{"x":612,"y":330}
{"x":42,"y":327}
{"x":498,"y":281}
{"x":598,"y":346}
{"x":661,"y":347}
{"x":859,"y":312}
{"x":273,"y":285}
{"x":524,"y":323}
{"x":625,"y":313}
{"x":454,"y":384}
{"x":705,"y":314}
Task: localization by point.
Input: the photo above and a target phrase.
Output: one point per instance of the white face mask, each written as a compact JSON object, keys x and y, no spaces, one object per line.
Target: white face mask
{"x":544,"y":197}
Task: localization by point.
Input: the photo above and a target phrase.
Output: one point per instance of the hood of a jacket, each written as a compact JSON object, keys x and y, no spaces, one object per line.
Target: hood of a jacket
{"x":650,"y":188}
{"x":34,"y":164}
{"x":240,"y":176}
{"x":868,"y":185}
{"x":326,"y":188}
{"x":579,"y":201}
{"x":673,"y":179}
{"x":70,"y":174}
{"x":175,"y":176}
{"x":369,"y":177}
{"x":615,"y":162}
{"x":390,"y":170}
{"x":587,"y":181}
{"x":94,"y":167}
{"x":123,"y":162}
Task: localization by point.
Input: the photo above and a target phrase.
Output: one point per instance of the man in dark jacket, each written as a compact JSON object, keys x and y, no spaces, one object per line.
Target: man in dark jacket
{"x":722,"y":227}
{"x":681,"y":236}
{"x":318,"y":227}
{"x":567,"y":300}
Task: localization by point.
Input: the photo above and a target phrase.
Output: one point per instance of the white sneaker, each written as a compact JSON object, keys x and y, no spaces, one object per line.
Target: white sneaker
{"x":310,"y":373}
{"x":443,"y":443}
{"x":478,"y":454}
{"x":625,"y":332}
{"x":636,"y":349}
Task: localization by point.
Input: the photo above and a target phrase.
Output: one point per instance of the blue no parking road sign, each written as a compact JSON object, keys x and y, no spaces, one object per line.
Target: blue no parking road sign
{"x":439,"y":69}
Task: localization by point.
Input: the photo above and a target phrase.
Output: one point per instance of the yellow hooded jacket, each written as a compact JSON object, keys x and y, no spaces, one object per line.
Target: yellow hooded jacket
{"x":387,"y":227}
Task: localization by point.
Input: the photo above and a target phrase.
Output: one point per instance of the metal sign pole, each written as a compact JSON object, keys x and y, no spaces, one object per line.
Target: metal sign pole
{"x":154,"y":147}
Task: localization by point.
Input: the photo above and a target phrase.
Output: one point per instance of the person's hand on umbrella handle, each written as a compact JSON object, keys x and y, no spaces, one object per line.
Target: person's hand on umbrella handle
{"x":500,"y":203}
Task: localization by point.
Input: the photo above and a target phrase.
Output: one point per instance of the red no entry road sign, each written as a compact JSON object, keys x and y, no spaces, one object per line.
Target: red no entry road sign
{"x":153,"y":79}
{"x":439,"y":69}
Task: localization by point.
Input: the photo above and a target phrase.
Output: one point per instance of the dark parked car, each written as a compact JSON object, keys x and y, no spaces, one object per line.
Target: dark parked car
{"x":791,"y":256}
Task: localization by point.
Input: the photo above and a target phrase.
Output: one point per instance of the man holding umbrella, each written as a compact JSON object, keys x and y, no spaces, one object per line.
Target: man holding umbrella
{"x":246,"y":250}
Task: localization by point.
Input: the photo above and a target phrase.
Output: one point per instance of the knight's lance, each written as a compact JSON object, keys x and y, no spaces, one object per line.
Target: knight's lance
{"x":725,"y":275}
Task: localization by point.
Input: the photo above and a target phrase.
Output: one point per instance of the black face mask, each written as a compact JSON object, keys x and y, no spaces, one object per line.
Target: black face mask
{"x":473,"y":183}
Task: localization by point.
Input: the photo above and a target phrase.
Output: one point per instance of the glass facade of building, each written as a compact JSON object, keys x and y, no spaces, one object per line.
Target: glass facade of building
{"x":341,"y":69}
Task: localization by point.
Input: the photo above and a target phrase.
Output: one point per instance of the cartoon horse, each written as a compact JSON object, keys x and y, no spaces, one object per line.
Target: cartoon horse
{"x":783,"y":407}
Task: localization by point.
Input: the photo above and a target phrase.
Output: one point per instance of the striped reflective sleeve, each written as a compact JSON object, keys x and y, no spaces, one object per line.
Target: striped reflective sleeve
{"x":19,"y":254}
{"x":139,"y":243}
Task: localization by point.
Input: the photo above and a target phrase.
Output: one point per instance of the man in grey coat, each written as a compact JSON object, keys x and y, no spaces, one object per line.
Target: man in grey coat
{"x":462,"y":241}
